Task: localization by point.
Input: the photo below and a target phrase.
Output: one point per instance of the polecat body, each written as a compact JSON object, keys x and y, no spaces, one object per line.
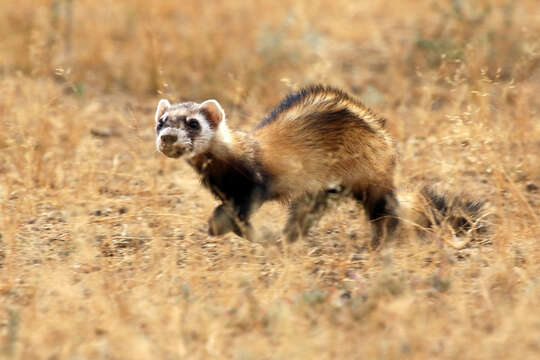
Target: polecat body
{"x":317,"y":140}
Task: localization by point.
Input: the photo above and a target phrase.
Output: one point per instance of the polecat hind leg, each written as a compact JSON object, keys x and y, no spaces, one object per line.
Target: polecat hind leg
{"x":380,"y":207}
{"x":306,"y":211}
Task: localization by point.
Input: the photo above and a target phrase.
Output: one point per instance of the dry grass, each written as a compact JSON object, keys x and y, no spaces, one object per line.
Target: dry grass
{"x":103,"y":245}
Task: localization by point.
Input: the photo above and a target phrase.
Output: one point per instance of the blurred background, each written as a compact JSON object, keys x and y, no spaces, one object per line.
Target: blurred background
{"x":103,"y":244}
{"x":246,"y":53}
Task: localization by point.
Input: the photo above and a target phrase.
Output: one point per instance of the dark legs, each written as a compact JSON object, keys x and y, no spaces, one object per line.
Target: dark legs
{"x":306,"y":211}
{"x":380,"y":209}
{"x":222,"y":222}
{"x":234,"y":216}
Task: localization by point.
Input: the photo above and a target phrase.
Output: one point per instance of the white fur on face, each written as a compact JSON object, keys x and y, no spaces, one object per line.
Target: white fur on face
{"x":182,"y":144}
{"x":202,"y":140}
{"x":190,"y":142}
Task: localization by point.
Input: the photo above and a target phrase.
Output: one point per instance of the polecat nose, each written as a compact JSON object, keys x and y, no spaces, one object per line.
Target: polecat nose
{"x":169,"y":139}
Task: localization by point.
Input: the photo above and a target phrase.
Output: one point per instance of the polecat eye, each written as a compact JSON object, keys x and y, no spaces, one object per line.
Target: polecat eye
{"x":160,"y":124}
{"x":193,"y":124}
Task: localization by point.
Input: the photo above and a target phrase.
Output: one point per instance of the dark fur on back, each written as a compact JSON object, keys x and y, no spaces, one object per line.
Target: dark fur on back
{"x":306,"y":96}
{"x":289,"y":101}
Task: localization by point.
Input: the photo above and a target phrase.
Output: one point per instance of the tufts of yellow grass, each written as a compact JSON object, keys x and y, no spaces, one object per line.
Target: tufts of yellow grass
{"x":103,"y":244}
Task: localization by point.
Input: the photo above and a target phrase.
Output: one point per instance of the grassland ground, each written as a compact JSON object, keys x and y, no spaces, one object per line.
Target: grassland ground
{"x":104,"y":251}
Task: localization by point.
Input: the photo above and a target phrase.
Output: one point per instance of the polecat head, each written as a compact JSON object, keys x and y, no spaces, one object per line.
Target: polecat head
{"x":187,"y":128}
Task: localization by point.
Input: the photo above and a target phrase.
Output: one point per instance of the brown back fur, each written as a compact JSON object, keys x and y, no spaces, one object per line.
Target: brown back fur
{"x":320,"y":137}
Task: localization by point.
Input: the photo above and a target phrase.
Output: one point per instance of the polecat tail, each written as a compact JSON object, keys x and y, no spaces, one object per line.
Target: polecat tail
{"x":430,"y":207}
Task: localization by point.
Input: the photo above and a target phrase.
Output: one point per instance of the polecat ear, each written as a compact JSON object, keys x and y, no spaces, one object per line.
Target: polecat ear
{"x":213,"y":112}
{"x":162,"y":106}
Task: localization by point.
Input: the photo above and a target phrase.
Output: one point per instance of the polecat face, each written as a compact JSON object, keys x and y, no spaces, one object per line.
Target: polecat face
{"x":186,"y":128}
